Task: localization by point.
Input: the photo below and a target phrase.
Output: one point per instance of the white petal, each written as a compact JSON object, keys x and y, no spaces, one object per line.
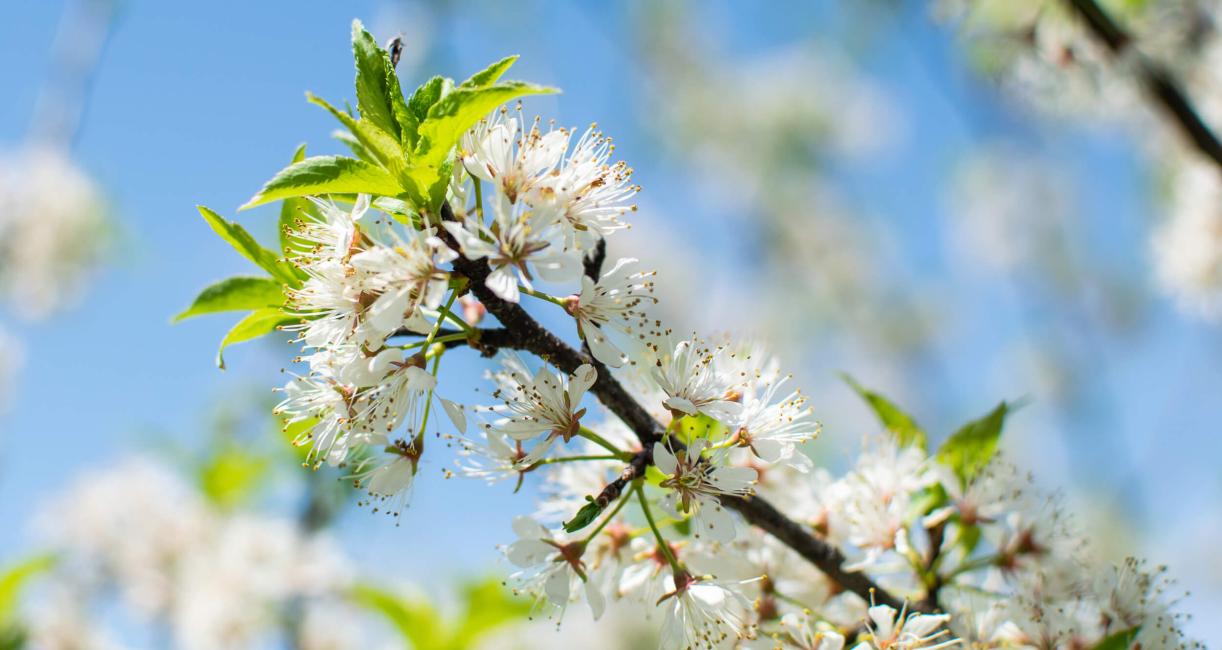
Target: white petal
{"x":682,"y":405}
{"x":557,"y":588}
{"x":503,"y":283}
{"x":528,"y":528}
{"x":456,"y":414}
{"x":884,"y":619}
{"x":600,"y":347}
{"x":528,"y":552}
{"x":594,"y":597}
{"x":664,"y":460}
{"x":580,"y":382}
{"x":392,"y":478}
{"x":714,"y":522}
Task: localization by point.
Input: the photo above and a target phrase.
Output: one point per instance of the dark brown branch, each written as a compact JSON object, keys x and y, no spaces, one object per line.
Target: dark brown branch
{"x":527,"y":334}
{"x":826,"y":557}
{"x":1159,"y":83}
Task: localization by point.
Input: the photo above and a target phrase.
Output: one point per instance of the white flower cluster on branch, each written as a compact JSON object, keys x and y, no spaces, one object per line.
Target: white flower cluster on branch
{"x":665,"y":495}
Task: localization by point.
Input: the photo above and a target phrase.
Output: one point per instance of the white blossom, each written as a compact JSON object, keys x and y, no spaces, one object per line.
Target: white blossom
{"x":551,"y":569}
{"x":617,"y":300}
{"x":545,"y":403}
{"x":694,"y":482}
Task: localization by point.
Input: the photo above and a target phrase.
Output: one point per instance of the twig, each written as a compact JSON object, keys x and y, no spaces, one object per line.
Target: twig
{"x":525,"y":333}
{"x":1161,"y":85}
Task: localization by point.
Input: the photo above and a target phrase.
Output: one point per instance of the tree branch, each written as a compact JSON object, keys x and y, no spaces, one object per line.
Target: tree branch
{"x":526,"y":333}
{"x":1160,"y":84}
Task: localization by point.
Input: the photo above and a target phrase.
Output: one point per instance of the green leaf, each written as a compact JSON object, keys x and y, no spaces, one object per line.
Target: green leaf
{"x":15,"y":578}
{"x":1122,"y":640}
{"x":257,"y":323}
{"x":326,"y":175}
{"x":445,"y":124}
{"x":487,"y":606}
{"x":969,"y":538}
{"x":239,"y":293}
{"x":373,"y":73}
{"x":384,"y":147}
{"x":231,"y":476}
{"x":429,"y":93}
{"x":245,"y":244}
{"x":971,"y":448}
{"x":902,"y":426}
{"x":584,"y":517}
{"x":417,"y":622}
{"x":490,"y":74}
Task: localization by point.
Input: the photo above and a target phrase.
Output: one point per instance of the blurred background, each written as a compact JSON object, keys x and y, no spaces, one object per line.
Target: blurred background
{"x":957,"y":202}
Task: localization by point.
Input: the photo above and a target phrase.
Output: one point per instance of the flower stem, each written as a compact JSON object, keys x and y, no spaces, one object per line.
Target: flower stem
{"x":573,"y":459}
{"x":479,"y":198}
{"x":540,"y":295}
{"x":602,"y":442}
{"x":440,"y":320}
{"x":440,"y":339}
{"x":428,"y":402}
{"x":662,"y":543}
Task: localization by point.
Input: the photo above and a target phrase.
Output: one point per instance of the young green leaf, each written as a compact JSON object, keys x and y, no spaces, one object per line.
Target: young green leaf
{"x":971,"y":448}
{"x":231,"y":475}
{"x":584,"y":517}
{"x":326,"y":175}
{"x":257,"y":323}
{"x":15,"y":578}
{"x":384,"y":148}
{"x":486,"y":606}
{"x":429,"y":93}
{"x":416,"y":621}
{"x":490,"y":74}
{"x":902,"y":426}
{"x":245,"y":244}
{"x":240,"y":293}
{"x":445,"y":124}
{"x":373,"y":94}
{"x":1122,"y":640}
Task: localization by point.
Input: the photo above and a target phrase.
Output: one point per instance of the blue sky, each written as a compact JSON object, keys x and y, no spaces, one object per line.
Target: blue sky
{"x":199,"y":103}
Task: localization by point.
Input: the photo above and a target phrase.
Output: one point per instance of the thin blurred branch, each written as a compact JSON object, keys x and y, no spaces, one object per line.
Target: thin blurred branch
{"x":1161,"y":85}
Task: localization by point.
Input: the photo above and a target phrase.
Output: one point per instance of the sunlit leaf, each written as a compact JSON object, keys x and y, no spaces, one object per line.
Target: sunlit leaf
{"x":318,"y":175}
{"x":257,"y":323}
{"x":899,"y":424}
{"x":242,"y":241}
{"x":241,"y":293}
{"x":971,"y":448}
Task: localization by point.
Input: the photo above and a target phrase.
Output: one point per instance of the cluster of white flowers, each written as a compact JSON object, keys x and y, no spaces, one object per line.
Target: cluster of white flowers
{"x":52,"y":225}
{"x":973,"y":553}
{"x":211,"y":578}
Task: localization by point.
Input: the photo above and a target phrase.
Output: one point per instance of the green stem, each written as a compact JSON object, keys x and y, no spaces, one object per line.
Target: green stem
{"x":601,"y":442}
{"x":440,"y":320}
{"x":440,"y":339}
{"x":428,"y":403}
{"x":479,"y":198}
{"x":662,"y":543}
{"x":615,"y":511}
{"x":573,"y":459}
{"x":446,"y":313}
{"x":978,"y":563}
{"x":540,"y":295}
